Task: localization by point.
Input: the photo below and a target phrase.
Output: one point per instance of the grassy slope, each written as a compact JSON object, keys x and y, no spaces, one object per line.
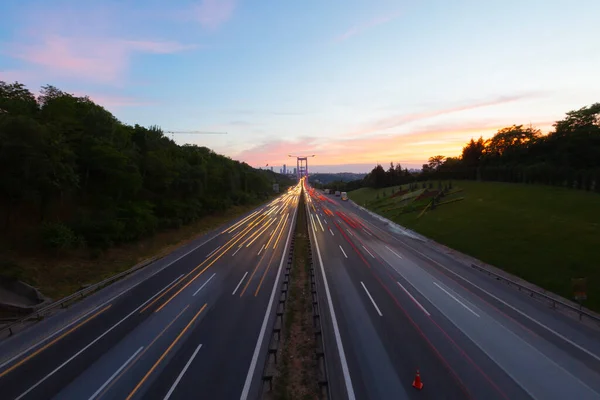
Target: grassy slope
{"x":58,"y":277}
{"x":546,"y":235}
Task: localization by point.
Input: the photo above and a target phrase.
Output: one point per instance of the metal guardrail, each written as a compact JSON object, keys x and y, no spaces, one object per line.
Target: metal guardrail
{"x":555,"y":302}
{"x":62,"y":303}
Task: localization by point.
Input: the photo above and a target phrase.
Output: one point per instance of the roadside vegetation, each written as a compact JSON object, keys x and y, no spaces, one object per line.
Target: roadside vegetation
{"x":57,"y":277}
{"x":545,"y":235}
{"x":569,"y":157}
{"x":523,"y":201}
{"x":75,"y":182}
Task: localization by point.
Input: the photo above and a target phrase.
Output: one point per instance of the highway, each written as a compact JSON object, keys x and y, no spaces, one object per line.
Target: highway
{"x":392,"y":303}
{"x":195,"y":325}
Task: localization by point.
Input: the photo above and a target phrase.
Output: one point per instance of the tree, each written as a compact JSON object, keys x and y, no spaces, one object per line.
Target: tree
{"x":511,"y":139}
{"x":69,"y":161}
{"x":585,"y":119}
{"x":435,"y":162}
{"x":392,"y":178}
{"x":377,"y":178}
{"x":472,"y":152}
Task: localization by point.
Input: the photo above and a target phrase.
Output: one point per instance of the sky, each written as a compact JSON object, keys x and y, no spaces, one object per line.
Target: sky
{"x":353,"y":82}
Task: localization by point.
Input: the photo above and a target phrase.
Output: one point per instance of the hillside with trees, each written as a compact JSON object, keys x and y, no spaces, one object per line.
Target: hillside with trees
{"x":567,"y":156}
{"x":73,"y":176}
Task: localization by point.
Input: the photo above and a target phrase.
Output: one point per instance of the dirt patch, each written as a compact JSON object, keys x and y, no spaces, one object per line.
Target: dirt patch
{"x":427,"y":194}
{"x":296,"y":376}
{"x":58,"y":277}
{"x":399,"y":193}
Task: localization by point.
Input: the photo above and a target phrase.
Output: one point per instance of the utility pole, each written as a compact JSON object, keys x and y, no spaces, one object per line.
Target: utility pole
{"x":301,"y":165}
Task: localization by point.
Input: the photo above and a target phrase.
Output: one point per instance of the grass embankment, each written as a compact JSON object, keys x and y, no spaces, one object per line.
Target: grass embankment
{"x":297,"y":370}
{"x":58,"y":277}
{"x":545,"y":235}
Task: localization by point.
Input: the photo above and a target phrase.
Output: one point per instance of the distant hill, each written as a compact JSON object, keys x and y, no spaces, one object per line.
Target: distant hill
{"x":325,"y":178}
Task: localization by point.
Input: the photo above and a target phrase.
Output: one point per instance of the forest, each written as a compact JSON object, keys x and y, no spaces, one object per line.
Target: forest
{"x":567,"y":156}
{"x":72,"y":175}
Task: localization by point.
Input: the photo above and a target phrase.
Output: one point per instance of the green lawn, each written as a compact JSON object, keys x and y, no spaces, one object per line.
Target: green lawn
{"x":546,"y":235}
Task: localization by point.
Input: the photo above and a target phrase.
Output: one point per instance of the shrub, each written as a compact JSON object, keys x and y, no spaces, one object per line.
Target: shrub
{"x":58,"y":237}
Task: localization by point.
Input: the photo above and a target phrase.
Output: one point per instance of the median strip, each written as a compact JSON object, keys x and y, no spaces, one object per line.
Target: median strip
{"x":292,"y":367}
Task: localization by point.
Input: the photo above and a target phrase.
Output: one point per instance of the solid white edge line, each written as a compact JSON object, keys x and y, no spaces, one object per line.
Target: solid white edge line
{"x":343,"y":251}
{"x":239,"y":284}
{"x":372,"y":301}
{"x":367,"y":250}
{"x":106,"y":302}
{"x":396,"y":254}
{"x":101,"y":388}
{"x":257,"y":349}
{"x":204,"y":284}
{"x":170,"y":392}
{"x":211,"y":253}
{"x":572,"y":343}
{"x":457,"y":300}
{"x":93,"y":342}
{"x":336,"y":329}
{"x":331,"y":232}
{"x":493,"y":296}
{"x":413,"y":299}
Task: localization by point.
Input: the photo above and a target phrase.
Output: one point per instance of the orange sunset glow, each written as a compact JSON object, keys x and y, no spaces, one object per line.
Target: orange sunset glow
{"x":412,"y":149}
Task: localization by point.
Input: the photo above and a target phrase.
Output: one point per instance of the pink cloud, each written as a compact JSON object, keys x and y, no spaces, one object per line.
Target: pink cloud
{"x":414,"y":148}
{"x":361,"y":28}
{"x":104,"y":60}
{"x":213,"y":13}
{"x":22,"y":76}
{"x":398,"y":120}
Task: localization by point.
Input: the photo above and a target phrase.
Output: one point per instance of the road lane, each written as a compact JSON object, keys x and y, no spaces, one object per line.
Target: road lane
{"x":165,"y":319}
{"x":490,"y":349}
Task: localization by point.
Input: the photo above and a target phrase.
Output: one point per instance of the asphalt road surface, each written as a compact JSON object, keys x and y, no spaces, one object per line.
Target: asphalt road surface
{"x":195,"y":324}
{"x":392,"y":304}
{"x":192,"y":326}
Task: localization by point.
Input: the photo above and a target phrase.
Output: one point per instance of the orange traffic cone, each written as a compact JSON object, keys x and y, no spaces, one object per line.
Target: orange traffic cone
{"x":417,"y":382}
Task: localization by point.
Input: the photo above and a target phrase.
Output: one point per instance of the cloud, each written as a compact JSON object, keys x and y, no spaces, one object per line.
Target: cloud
{"x":275,"y":150}
{"x":395,"y":121}
{"x":213,"y":13}
{"x":98,"y":59}
{"x":363,"y":27}
{"x":413,"y":148}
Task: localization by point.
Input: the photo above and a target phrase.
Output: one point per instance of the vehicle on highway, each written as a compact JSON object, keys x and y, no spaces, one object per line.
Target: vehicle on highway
{"x":326,"y":191}
{"x":344,"y":196}
{"x":337,"y":193}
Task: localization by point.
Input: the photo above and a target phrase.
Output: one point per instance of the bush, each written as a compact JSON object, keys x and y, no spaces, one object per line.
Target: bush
{"x":139,"y":220}
{"x":100,"y":230}
{"x":58,"y":237}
